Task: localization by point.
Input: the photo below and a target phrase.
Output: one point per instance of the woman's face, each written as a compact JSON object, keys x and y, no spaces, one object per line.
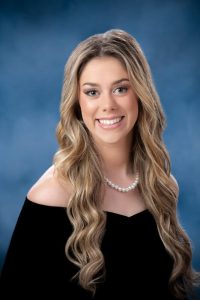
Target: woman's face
{"x":108,"y":103}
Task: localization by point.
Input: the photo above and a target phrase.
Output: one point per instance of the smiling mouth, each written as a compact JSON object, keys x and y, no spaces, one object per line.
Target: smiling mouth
{"x":110,"y":122}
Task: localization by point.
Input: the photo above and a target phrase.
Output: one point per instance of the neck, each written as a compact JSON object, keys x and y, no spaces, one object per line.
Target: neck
{"x":115,"y":159}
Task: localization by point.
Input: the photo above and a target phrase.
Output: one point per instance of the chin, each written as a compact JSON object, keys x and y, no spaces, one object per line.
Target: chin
{"x":109,"y":140}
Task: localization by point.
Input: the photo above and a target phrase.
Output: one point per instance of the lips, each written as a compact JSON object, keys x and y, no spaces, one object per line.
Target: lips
{"x":109,"y":118}
{"x":110,"y":122}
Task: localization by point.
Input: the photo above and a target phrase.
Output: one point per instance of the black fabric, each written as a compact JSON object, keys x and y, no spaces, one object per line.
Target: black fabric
{"x":137,"y":265}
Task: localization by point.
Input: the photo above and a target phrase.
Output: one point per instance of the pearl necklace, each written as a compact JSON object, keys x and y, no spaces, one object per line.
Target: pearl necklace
{"x":123,"y":189}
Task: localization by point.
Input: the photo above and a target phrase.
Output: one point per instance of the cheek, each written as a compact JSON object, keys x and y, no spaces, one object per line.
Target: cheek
{"x":87,"y":110}
{"x":133,"y":107}
{"x":136,"y":108}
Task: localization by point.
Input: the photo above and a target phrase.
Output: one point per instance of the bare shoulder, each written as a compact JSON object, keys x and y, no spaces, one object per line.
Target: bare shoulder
{"x":49,"y":190}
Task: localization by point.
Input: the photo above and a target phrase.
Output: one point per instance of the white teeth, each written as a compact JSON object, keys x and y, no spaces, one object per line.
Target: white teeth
{"x":110,"y":122}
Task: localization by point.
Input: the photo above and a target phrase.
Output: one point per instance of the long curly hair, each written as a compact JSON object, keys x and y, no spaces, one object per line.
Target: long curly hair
{"x":78,"y":161}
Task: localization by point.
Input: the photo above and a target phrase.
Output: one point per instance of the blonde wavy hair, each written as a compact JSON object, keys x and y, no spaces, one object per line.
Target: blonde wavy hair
{"x":78,"y":161}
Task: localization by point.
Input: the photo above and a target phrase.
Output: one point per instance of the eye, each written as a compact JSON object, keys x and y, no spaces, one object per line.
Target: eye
{"x":91,"y":93}
{"x":121,"y":90}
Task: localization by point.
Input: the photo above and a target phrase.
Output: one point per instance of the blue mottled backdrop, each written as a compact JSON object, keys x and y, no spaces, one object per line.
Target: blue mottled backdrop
{"x":36,"y":38}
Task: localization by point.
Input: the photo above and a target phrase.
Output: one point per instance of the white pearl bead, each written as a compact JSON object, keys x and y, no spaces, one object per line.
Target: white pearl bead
{"x":122,"y":189}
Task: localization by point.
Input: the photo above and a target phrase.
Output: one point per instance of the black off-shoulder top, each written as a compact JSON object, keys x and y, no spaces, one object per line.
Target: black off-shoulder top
{"x":137,"y":264}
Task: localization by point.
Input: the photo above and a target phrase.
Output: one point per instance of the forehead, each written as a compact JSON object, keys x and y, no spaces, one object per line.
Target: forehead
{"x":101,"y":68}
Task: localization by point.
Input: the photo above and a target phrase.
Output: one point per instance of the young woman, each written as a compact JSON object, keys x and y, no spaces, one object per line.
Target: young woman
{"x":102,"y":220}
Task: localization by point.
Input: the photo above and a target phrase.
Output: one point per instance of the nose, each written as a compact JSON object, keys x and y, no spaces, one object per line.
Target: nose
{"x":108,"y":102}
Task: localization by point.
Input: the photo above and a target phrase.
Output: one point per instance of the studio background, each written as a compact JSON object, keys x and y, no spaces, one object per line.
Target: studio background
{"x":36,"y":38}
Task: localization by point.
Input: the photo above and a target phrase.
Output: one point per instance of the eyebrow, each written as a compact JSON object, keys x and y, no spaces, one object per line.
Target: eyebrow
{"x":115,"y":82}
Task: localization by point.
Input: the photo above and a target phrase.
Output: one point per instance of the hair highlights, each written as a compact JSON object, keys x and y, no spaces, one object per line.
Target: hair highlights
{"x":79,"y":162}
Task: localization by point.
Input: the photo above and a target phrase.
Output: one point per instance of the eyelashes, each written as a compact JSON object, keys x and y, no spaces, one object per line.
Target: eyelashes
{"x":91,"y":93}
{"x":121,"y":89}
{"x":117,"y":91}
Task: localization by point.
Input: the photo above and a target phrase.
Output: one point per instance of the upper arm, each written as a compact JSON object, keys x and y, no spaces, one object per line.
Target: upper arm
{"x":35,"y":256}
{"x":48,"y":190}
